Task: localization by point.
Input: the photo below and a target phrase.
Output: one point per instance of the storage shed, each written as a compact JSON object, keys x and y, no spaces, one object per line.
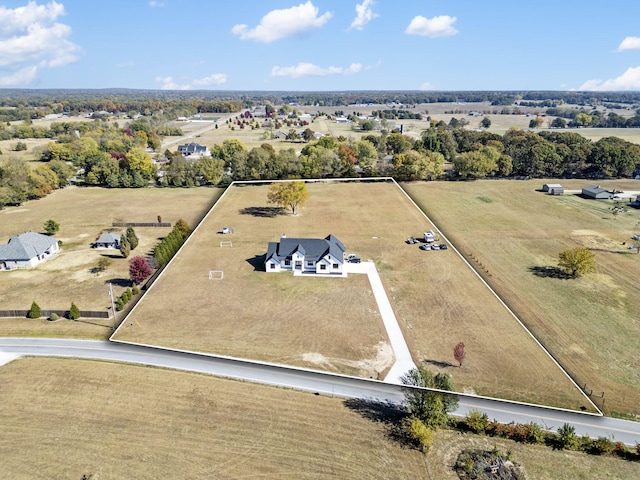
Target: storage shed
{"x":596,"y":192}
{"x":553,"y":188}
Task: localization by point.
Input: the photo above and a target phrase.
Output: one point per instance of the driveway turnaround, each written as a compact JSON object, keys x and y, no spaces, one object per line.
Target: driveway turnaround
{"x":403,"y":362}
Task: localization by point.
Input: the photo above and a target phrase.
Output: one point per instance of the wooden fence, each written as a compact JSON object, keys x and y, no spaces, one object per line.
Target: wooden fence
{"x":47,"y":313}
{"x":141,"y":224}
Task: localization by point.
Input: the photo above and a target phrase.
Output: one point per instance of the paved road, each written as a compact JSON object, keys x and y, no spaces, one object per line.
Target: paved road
{"x":323,"y":383}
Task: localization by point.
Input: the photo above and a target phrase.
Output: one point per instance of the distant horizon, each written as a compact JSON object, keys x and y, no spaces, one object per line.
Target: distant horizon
{"x":320,"y":46}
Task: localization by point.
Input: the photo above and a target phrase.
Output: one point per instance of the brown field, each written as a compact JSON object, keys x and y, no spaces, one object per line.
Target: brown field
{"x":333,"y":324}
{"x":539,"y":462}
{"x":83,"y":213}
{"x":109,"y":421}
{"x":65,"y":418}
{"x":511,"y":233}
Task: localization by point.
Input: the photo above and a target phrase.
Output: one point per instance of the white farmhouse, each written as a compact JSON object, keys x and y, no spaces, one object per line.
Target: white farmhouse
{"x":306,"y":255}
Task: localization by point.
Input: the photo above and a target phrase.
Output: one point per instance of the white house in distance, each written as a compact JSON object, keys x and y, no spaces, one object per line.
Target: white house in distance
{"x":27,"y":250}
{"x":193,"y":150}
{"x":306,"y":255}
{"x":108,"y":240}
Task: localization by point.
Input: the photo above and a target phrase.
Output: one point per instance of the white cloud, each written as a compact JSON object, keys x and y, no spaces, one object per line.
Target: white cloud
{"x":169,"y":84}
{"x":427,"y":86}
{"x":364,"y":14}
{"x":629,"y":80}
{"x":215,"y":79}
{"x":153,"y":3}
{"x":310,"y":70}
{"x":278,"y":24}
{"x":20,"y":77}
{"x":441,"y":26}
{"x":32,"y":40}
{"x":629,"y":43}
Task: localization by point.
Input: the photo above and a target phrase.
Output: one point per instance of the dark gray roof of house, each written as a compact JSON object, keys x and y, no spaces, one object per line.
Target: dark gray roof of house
{"x":191,"y":148}
{"x":109,"y":238}
{"x":26,"y":246}
{"x":313,"y":249}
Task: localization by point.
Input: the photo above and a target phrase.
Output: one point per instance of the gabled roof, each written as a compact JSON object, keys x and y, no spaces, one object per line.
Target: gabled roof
{"x":26,"y":246}
{"x":109,"y":238}
{"x":313,"y":249}
{"x":594,"y":189}
{"x":192,"y":148}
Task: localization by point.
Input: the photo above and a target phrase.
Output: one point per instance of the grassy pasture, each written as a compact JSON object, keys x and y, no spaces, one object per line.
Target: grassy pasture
{"x":333,"y":323}
{"x":64,"y":418}
{"x":83,"y":213}
{"x":111,"y":421}
{"x":511,"y":233}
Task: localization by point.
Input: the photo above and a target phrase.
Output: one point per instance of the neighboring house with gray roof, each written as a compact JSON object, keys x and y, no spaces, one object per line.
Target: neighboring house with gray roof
{"x":306,"y":255}
{"x":193,"y":149}
{"x":108,"y":240}
{"x":27,"y":250}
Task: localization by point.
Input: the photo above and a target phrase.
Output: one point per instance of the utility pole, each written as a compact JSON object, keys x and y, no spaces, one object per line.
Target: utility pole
{"x":113,"y":306}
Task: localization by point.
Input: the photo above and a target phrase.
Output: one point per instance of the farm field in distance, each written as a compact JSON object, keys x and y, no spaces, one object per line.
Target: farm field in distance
{"x":332,"y":323}
{"x":103,"y":419}
{"x":511,"y":233}
{"x":84,"y":213}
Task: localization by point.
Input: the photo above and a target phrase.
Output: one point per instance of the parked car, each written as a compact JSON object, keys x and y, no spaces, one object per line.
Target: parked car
{"x":435,"y":246}
{"x":412,"y":241}
{"x":443,"y":246}
{"x":425,"y":246}
{"x":353,"y":258}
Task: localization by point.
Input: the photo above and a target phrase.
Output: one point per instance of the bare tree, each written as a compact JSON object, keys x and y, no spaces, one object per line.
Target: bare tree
{"x":459,"y":353}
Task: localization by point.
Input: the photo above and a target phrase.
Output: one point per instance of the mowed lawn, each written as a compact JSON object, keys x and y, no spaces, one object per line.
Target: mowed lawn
{"x":511,"y":233}
{"x":333,"y":323}
{"x":83,"y":213}
{"x":64,"y":418}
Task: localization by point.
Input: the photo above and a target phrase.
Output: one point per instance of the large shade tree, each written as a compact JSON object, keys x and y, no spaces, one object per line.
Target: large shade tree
{"x":288,"y":194}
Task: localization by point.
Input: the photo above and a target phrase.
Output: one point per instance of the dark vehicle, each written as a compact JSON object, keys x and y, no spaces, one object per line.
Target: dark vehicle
{"x":352,"y":258}
{"x":443,"y":246}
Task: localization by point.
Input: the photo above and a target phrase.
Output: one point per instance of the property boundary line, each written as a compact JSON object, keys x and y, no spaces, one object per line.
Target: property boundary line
{"x":511,"y":312}
{"x":356,"y":180}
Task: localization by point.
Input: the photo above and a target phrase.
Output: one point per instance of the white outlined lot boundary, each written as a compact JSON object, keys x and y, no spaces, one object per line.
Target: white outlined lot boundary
{"x":366,"y":180}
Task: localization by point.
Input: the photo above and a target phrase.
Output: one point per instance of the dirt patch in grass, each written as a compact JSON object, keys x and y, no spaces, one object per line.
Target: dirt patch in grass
{"x":590,"y":324}
{"x":333,"y":323}
{"x":84,"y":213}
{"x":120,"y":421}
{"x":539,"y":462}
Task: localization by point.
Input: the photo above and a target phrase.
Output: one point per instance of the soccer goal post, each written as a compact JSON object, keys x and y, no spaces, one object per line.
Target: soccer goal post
{"x":226,"y":244}
{"x":216,"y":274}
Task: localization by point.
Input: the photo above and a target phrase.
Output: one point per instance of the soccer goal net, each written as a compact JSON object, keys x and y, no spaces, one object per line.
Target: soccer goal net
{"x":226,"y":244}
{"x":216,"y":274}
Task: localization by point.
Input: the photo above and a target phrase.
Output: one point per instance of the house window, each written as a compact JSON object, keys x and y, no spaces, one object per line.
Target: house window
{"x":323,"y":266}
{"x":272,"y":266}
{"x":309,"y":264}
{"x":335,"y":265}
{"x":287,"y":263}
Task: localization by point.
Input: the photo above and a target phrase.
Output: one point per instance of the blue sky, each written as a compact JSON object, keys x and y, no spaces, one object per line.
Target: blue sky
{"x":321,"y":45}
